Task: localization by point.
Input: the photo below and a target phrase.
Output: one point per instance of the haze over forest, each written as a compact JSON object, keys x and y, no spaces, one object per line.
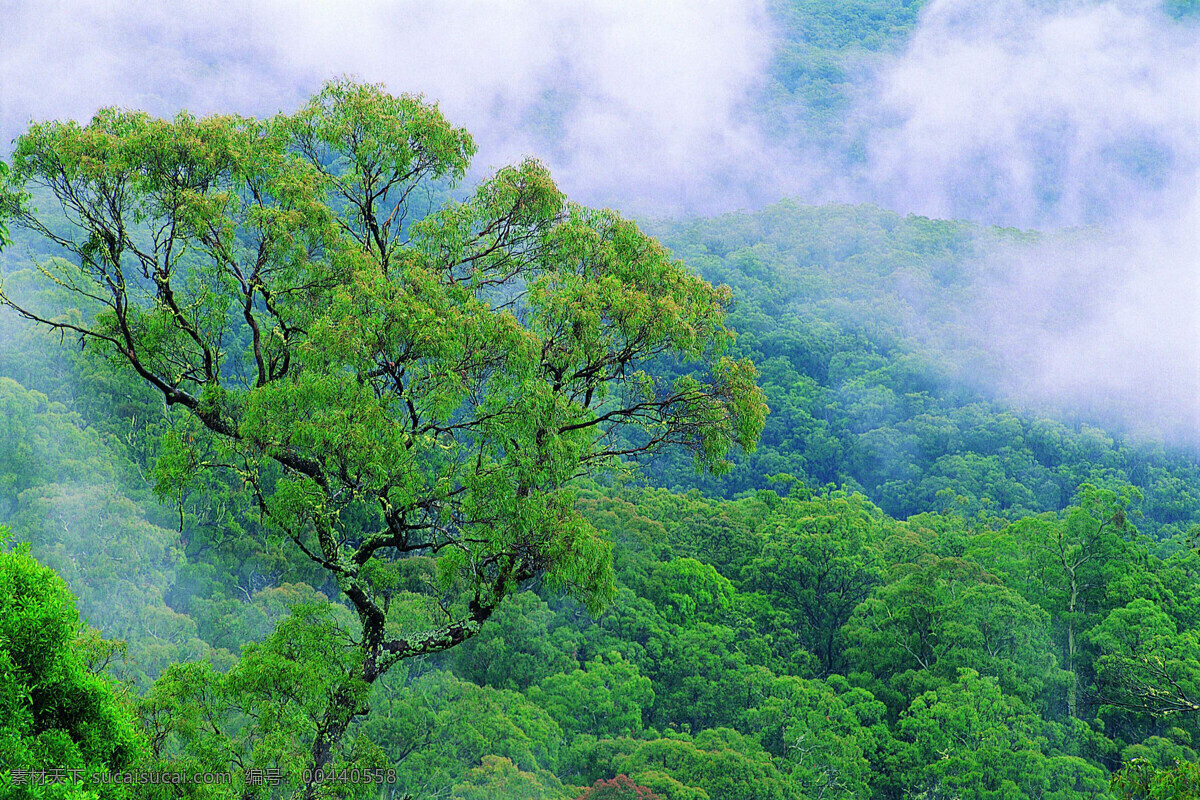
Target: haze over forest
{"x":1036,"y":115}
{"x":958,"y":557}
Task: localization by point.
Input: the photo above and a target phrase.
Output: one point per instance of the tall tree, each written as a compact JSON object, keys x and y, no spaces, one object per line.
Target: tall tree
{"x":820,"y":564}
{"x":1072,"y":560}
{"x":407,"y":388}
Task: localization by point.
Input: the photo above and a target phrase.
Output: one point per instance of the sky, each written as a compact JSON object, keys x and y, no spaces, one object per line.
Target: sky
{"x":1047,"y":114}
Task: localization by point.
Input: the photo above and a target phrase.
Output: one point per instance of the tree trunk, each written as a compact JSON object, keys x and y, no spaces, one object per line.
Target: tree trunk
{"x":342,"y":709}
{"x":1073,"y":688}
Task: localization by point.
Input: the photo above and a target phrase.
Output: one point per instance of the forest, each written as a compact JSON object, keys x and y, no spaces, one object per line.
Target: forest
{"x":329,"y":469}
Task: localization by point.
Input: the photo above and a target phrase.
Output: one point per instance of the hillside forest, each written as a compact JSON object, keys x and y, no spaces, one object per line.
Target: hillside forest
{"x":326,"y":472}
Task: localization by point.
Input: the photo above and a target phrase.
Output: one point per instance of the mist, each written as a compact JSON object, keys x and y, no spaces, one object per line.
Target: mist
{"x":1018,"y":112}
{"x":1034,"y":114}
{"x":1047,"y":115}
{"x":1099,"y":324}
{"x":633,"y":105}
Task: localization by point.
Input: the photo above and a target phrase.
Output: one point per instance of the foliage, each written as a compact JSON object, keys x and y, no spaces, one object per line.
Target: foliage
{"x":605,"y":698}
{"x":969,"y":740}
{"x":1140,"y":780}
{"x":56,"y":712}
{"x":358,"y":389}
{"x":391,"y":381}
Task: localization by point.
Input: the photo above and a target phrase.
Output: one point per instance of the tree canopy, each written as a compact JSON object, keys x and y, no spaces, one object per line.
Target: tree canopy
{"x":56,"y":712}
{"x":407,"y":383}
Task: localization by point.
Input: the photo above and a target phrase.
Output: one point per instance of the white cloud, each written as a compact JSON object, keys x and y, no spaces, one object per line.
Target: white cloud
{"x":1032,"y":113}
{"x":1055,"y":114}
{"x":645,"y":96}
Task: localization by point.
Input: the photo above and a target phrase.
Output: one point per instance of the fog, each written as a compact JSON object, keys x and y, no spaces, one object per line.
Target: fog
{"x":1033,"y":114}
{"x":1024,"y":113}
{"x":1103,"y":324}
{"x":1016,"y":112}
{"x":635,"y":105}
{"x":1051,"y":115}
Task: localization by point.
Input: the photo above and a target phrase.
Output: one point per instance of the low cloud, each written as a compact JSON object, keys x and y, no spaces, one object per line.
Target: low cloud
{"x":1051,"y":115}
{"x":637,"y":105}
{"x":1103,"y":324}
{"x":1028,"y":113}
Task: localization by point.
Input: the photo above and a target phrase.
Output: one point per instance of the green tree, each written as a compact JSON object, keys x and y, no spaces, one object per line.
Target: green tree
{"x":941,"y":615}
{"x":117,"y":565}
{"x":1141,"y":780}
{"x":823,"y":730}
{"x":1146,"y":665}
{"x":435,"y":728}
{"x":523,"y":643}
{"x":252,"y":717}
{"x":391,"y":380}
{"x":1072,"y":560}
{"x":55,"y":711}
{"x":970,"y":740}
{"x":717,"y":763}
{"x":688,"y":591}
{"x":607,"y":698}
{"x":818,"y":563}
{"x":41,"y":442}
{"x":499,"y":777}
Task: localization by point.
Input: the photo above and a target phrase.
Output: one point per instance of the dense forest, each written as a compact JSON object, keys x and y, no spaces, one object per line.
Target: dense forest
{"x":323,"y":475}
